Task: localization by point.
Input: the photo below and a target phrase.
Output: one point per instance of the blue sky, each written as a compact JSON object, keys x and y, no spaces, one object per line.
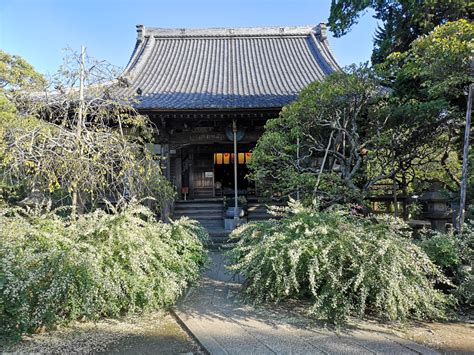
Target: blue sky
{"x":38,"y":30}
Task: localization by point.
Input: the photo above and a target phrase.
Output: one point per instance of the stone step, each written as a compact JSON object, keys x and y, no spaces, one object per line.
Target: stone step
{"x":260,"y":218}
{"x":259,"y":213}
{"x":265,"y":201}
{"x":204,"y":220}
{"x":219,"y":235}
{"x":209,"y":213}
{"x":219,"y":238}
{"x":203,"y":194}
{"x":194,"y":212}
{"x":207,"y":222}
{"x":265,"y":205}
{"x":201,"y":206}
{"x":210,"y":222}
{"x":210,"y":227}
{"x":204,"y":217}
{"x":255,"y":209}
{"x":201,"y":200}
{"x":199,"y":215}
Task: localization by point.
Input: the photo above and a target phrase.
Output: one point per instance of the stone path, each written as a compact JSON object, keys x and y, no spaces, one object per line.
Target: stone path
{"x":225,"y":325}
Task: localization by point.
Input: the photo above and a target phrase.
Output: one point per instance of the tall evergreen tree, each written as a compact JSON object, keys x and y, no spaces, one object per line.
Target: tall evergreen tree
{"x":401,"y":22}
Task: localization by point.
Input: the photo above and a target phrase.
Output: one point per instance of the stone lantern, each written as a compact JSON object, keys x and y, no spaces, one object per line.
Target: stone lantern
{"x":436,"y":208}
{"x":35,"y":199}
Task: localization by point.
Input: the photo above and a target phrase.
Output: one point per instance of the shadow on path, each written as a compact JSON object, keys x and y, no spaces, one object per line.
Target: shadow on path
{"x":223,"y":324}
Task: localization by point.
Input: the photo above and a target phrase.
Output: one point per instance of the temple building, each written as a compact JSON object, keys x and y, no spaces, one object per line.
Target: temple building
{"x":210,"y":92}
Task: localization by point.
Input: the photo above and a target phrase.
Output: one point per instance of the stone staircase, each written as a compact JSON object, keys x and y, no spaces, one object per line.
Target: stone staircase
{"x":209,"y":212}
{"x":203,"y":193}
{"x":257,"y":209}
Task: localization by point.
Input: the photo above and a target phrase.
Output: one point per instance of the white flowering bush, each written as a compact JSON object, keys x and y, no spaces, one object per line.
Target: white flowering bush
{"x":53,"y":270}
{"x":346,"y":265}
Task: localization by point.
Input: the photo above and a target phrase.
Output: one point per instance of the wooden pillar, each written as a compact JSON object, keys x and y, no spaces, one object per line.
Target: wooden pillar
{"x":213,"y":176}
{"x":236,"y":157}
{"x":165,"y":164}
{"x":191,"y":176}
{"x":179,"y":174}
{"x":395,"y":199}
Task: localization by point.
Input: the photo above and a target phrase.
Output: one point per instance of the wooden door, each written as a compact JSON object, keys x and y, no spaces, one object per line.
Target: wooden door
{"x":203,"y":175}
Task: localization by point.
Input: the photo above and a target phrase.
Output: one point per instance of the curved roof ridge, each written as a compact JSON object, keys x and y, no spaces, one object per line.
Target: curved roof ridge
{"x":321,"y":39}
{"x":225,"y":67}
{"x":225,"y":31}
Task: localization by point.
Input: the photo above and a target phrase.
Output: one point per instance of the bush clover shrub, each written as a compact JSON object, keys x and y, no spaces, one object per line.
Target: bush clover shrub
{"x":53,"y":270}
{"x":345,"y":264}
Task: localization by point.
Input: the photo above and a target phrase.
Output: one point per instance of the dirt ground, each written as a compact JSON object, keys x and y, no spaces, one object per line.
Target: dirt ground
{"x":143,"y":334}
{"x":456,"y":337}
{"x":449,"y":338}
{"x":446,"y":337}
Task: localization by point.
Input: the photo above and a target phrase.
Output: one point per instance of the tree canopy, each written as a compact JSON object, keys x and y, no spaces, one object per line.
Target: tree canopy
{"x":323,"y":138}
{"x":399,"y":122}
{"x":437,"y":65}
{"x":428,"y":84}
{"x":401,"y":21}
{"x":73,"y":149}
{"x":18,"y":74}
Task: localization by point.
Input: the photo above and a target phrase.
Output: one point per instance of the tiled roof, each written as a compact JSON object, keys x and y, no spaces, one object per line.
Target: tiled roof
{"x":226,"y":68}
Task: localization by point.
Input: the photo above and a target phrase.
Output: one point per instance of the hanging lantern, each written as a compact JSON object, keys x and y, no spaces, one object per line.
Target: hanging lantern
{"x":248,"y":155}
{"x":241,"y":158}
{"x":226,"y":158}
{"x":218,"y":158}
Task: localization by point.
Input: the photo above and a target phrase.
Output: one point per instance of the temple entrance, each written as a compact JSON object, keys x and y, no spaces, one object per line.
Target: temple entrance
{"x":203,"y":176}
{"x":224,"y":174}
{"x":207,"y":171}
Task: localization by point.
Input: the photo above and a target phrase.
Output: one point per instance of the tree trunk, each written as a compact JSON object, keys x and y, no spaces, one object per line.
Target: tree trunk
{"x":323,"y":163}
{"x":80,"y":119}
{"x":465,"y":159}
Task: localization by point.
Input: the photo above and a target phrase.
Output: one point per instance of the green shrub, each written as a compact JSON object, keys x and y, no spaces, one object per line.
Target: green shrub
{"x":54,"y":270}
{"x":453,"y":253}
{"x":442,"y":248}
{"x":346,"y":265}
{"x":465,"y":290}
